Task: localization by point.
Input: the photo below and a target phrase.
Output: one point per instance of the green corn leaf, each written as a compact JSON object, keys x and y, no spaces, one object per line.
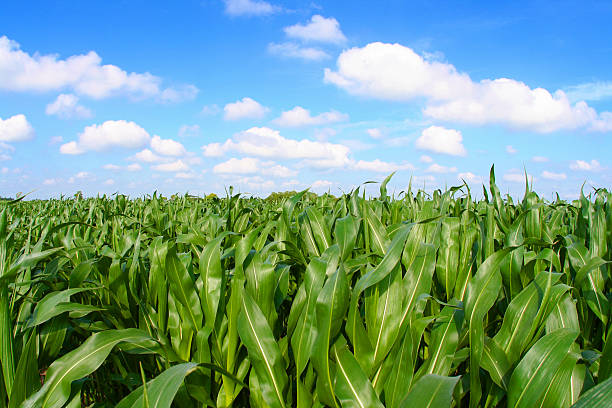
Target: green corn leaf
{"x":598,"y":396}
{"x":538,"y":367}
{"x":264,"y":353}
{"x":351,"y":384}
{"x":431,"y":391}
{"x":79,"y":363}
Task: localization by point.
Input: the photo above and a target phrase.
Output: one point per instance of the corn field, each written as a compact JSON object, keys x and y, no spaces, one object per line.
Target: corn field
{"x":410,"y":300}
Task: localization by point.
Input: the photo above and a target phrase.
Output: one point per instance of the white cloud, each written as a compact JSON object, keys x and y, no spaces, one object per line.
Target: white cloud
{"x":299,"y":116}
{"x":51,"y":181}
{"x":593,"y":165}
{"x":250,"y":165}
{"x":175,"y":94}
{"x":249,"y":8}
{"x":590,"y":91}
{"x":357,"y":144}
{"x":189,"y":131}
{"x":81,"y":175}
{"x":395,"y":72}
{"x":146,"y":156}
{"x":511,"y":150}
{"x":318,"y":29}
{"x":66,"y":106}
{"x":16,"y":128}
{"x":423,"y":179}
{"x":436,"y":168}
{"x":425,"y":159}
{"x":247,"y":165}
{"x":293,"y":50}
{"x":112,"y":133}
{"x":83,"y":74}
{"x":3,"y":151}
{"x":291,"y":183}
{"x":243,"y":109}
{"x":553,"y":176}
{"x":56,"y":140}
{"x":256,"y":183}
{"x":441,"y":140}
{"x":210,"y":110}
{"x":268,"y":143}
{"x":324,"y":134}
{"x":167,"y":147}
{"x":518,"y":177}
{"x":375,"y":133}
{"x":321,"y":185}
{"x":175,"y":166}
{"x":539,"y":159}
{"x":185,"y":175}
{"x":380,"y":166}
{"x":109,"y":182}
{"x":129,"y":167}
{"x":469,"y":177}
{"x":398,"y":141}
{"x":5,"y":170}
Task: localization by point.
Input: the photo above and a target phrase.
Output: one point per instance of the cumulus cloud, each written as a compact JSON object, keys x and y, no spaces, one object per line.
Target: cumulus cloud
{"x":441,"y":140}
{"x":469,"y":177}
{"x":553,"y":176}
{"x":110,"y":134}
{"x":511,"y":150}
{"x":66,"y":106}
{"x":299,"y":116}
{"x":167,"y":147}
{"x":250,"y":165}
{"x":380,"y":166}
{"x":321,"y":184}
{"x":514,"y":177}
{"x":109,"y":182}
{"x":15,"y":129}
{"x":81,"y":175}
{"x":210,"y":110}
{"x":83,"y":74}
{"x":318,"y":29}
{"x":56,"y":139}
{"x":436,"y":168}
{"x":246,"y":108}
{"x":185,"y":175}
{"x":268,"y":143}
{"x":146,"y":156}
{"x":396,"y":72}
{"x":129,"y":167}
{"x":5,"y":149}
{"x":174,"y":166}
{"x":375,"y":133}
{"x":237,"y":166}
{"x":425,"y":159}
{"x":539,"y":159}
{"x":593,"y":165}
{"x":189,"y":131}
{"x":249,"y":8}
{"x":590,"y":91}
{"x":293,"y":50}
{"x":178,"y":93}
{"x":51,"y":181}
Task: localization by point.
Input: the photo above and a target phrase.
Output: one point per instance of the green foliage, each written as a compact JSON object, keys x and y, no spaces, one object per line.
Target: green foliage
{"x":305,"y":300}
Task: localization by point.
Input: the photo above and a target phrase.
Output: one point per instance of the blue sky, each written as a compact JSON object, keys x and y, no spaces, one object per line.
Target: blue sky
{"x":194,"y":96}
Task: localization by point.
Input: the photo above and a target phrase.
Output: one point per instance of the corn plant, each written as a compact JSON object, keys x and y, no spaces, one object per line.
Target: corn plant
{"x":416,"y":300}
